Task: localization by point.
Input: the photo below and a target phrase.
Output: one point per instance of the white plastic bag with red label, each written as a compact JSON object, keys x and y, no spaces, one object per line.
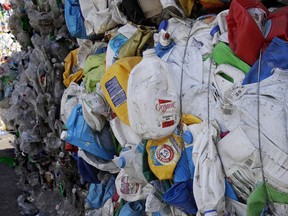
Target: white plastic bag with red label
{"x":153,"y":102}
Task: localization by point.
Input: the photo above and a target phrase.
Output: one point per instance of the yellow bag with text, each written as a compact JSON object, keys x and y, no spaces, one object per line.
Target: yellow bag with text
{"x":114,"y":86}
{"x":163,"y":155}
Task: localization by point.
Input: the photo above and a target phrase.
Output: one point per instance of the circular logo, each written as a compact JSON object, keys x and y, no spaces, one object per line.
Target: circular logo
{"x":165,"y":153}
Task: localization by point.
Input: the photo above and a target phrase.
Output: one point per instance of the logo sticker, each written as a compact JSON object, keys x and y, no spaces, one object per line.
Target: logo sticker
{"x":167,"y":109}
{"x":164,"y":105}
{"x":127,"y":186}
{"x":165,"y":153}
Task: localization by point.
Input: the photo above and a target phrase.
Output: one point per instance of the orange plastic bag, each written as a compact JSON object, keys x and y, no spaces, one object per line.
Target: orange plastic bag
{"x":72,"y":72}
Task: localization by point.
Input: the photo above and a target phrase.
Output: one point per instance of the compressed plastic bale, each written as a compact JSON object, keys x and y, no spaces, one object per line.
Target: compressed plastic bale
{"x":36,"y":142}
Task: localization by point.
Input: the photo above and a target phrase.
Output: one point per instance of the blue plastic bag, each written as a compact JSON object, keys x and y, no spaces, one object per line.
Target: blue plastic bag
{"x":88,"y":172}
{"x":133,"y":209}
{"x":80,"y":134}
{"x":74,"y":19}
{"x":275,"y":56}
{"x":181,"y":196}
{"x":100,"y":193}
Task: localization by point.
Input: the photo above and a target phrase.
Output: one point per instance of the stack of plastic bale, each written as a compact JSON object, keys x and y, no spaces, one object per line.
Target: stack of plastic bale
{"x":166,"y":109}
{"x":121,"y":108}
{"x":47,"y":174}
{"x":174,"y":115}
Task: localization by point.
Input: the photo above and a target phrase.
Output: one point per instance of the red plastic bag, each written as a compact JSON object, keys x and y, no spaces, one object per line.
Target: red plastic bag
{"x":279,"y":24}
{"x":245,"y":37}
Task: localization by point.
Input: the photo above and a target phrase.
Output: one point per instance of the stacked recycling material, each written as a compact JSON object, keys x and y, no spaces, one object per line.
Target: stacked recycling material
{"x":151,"y":107}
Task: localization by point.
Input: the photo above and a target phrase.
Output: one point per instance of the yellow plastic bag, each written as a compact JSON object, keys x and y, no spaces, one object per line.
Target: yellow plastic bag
{"x":189,"y":119}
{"x":72,"y":72}
{"x":114,"y":85}
{"x":163,"y":155}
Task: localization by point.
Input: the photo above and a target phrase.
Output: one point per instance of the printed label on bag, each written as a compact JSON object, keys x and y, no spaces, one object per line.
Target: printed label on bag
{"x":164,"y":154}
{"x":166,"y":108}
{"x":116,"y":92}
{"x":117,"y":42}
{"x":127,"y":186}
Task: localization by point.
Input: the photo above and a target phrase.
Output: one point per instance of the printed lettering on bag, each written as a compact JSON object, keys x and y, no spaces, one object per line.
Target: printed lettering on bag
{"x":127,"y":186}
{"x":116,"y":92}
{"x":164,"y":154}
{"x":166,"y":108}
